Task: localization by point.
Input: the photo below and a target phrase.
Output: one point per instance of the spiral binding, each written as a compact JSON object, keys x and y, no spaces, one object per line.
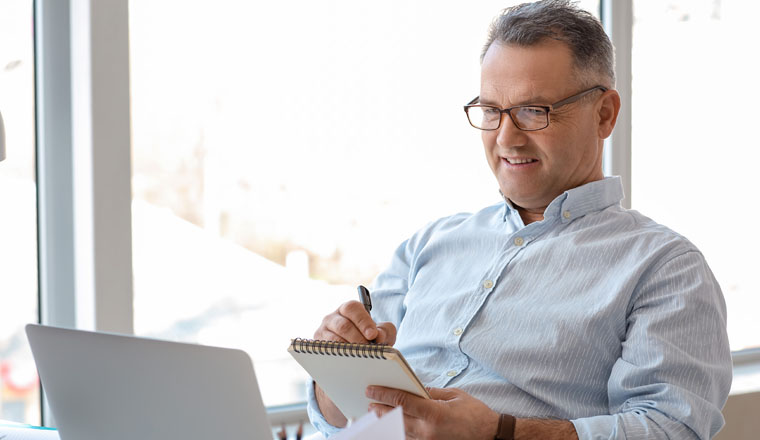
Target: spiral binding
{"x":334,"y":348}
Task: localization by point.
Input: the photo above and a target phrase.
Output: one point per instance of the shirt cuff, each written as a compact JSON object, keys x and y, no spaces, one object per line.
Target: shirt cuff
{"x":631,"y":425}
{"x":597,"y":427}
{"x":315,"y":415}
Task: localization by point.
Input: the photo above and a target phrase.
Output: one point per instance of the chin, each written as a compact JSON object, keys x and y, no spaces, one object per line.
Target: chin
{"x":513,"y":192}
{"x":512,"y":196}
{"x":520,"y":199}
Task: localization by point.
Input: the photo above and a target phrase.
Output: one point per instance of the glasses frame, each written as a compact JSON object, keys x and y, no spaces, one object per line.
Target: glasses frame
{"x":548,"y":108}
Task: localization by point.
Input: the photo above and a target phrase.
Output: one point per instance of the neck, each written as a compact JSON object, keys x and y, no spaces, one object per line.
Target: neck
{"x":530,"y":215}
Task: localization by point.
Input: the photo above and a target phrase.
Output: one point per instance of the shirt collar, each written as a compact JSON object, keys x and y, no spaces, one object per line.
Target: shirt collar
{"x":577,"y":202}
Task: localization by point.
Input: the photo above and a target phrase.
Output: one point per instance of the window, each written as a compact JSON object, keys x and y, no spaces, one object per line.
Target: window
{"x":19,"y":386}
{"x":281,"y":151}
{"x":694,"y":153}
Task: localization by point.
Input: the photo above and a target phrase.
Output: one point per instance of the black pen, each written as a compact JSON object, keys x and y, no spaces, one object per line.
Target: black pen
{"x":366,"y":301}
{"x":364,"y":298}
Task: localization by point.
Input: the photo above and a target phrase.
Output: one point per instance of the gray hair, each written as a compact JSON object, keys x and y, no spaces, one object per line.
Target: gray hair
{"x":529,"y":24}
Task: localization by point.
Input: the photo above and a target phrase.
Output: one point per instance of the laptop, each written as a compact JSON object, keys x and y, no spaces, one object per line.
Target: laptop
{"x":107,"y":386}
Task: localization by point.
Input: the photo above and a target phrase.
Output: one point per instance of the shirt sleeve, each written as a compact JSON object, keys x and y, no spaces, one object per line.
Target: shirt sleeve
{"x":390,"y":287}
{"x":315,"y":415}
{"x":674,"y":372}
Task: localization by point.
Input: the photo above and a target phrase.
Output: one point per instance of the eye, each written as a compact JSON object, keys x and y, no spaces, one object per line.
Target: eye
{"x":491,"y":112}
{"x":533,"y":111}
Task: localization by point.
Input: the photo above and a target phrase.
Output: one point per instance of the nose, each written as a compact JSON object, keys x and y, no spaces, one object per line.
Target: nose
{"x":508,"y":135}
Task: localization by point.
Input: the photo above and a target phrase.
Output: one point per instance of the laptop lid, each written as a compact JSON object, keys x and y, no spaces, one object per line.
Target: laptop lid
{"x":109,"y":386}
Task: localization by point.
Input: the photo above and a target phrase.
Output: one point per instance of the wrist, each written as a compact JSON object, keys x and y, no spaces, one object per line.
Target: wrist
{"x":329,"y":411}
{"x":506,"y":427}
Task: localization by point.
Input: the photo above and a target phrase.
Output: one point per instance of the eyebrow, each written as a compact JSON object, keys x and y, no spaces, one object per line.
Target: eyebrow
{"x":535,"y":100}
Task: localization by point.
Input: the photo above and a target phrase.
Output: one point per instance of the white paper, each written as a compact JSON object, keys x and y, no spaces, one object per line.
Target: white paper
{"x":19,"y":433}
{"x":370,"y":427}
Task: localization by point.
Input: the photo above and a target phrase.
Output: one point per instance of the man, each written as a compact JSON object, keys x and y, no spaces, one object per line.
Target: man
{"x":556,"y":314}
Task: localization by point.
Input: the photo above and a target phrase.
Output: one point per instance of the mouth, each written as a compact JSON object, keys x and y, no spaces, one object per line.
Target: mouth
{"x":519,"y":160}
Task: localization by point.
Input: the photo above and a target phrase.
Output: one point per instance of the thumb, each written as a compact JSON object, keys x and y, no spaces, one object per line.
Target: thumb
{"x":443,"y":393}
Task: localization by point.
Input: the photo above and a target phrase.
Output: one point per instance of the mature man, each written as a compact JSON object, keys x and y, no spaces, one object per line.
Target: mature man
{"x":555,"y":313}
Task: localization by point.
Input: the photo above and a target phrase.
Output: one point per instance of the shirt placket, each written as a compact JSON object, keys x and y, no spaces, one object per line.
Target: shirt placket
{"x":459,"y":361}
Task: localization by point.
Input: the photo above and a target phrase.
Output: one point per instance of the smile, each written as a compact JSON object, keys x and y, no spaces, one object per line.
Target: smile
{"x":519,"y":161}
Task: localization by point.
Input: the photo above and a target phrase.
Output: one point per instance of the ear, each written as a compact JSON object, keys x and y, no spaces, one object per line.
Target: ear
{"x":608,"y":108}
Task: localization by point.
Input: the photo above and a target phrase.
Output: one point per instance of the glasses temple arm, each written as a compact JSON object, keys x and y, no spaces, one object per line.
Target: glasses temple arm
{"x":577,"y":97}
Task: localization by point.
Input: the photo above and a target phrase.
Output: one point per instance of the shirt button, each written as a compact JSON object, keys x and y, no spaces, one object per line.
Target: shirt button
{"x":452,"y":373}
{"x":519,"y":241}
{"x":458,"y":331}
{"x":487,"y":284}
{"x":566,"y":214}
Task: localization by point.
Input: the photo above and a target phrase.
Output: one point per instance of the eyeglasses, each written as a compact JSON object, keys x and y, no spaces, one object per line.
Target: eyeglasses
{"x":525,"y":117}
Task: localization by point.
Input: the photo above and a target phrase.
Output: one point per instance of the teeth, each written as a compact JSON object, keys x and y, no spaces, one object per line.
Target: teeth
{"x":519,"y":161}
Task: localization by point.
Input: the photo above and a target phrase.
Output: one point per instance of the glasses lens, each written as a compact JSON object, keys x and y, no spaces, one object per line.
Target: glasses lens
{"x":485,"y":118}
{"x":530,"y":118}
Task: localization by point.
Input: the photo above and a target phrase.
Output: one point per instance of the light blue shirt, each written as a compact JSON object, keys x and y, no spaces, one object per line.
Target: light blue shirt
{"x":596,"y":314}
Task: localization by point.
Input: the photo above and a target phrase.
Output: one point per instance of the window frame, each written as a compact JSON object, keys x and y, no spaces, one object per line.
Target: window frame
{"x":83,"y":166}
{"x":617,"y":18}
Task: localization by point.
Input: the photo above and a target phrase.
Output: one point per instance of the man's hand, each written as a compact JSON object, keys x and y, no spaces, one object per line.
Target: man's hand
{"x":454,"y":414}
{"x":350,"y":323}
{"x":451,"y":414}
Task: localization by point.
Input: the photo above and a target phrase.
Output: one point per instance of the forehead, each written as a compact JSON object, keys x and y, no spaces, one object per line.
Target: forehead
{"x":512,"y":75}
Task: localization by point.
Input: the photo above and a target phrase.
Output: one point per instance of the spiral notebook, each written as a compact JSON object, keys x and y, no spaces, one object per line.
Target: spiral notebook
{"x":345,"y":370}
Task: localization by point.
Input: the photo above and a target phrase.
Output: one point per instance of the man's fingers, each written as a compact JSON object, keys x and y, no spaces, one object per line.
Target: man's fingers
{"x":350,"y":323}
{"x":412,"y":404}
{"x":417,"y":428}
{"x":340,"y":326}
{"x":379,"y":409}
{"x":412,"y":425}
{"x":451,"y":413}
{"x":326,"y":335}
{"x":355,"y":312}
{"x":386,"y":333}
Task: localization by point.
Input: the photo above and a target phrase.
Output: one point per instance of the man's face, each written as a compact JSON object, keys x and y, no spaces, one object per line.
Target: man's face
{"x":533,"y":168}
